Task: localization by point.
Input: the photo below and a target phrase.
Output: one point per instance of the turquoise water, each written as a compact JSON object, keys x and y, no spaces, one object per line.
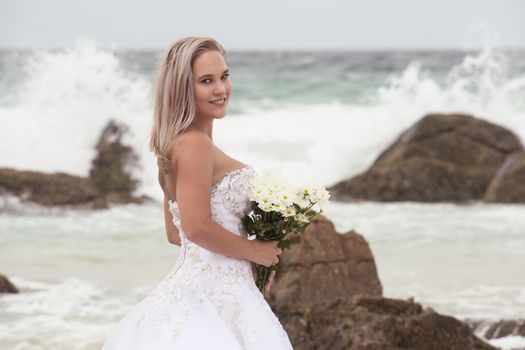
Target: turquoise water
{"x":311,"y":116}
{"x":79,"y":272}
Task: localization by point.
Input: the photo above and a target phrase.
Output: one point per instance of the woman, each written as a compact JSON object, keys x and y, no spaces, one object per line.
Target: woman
{"x":209,"y":300}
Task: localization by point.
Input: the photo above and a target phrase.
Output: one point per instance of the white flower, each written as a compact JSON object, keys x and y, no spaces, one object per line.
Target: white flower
{"x":265,"y":207}
{"x":251,"y":237}
{"x":301,"y":218}
{"x":289,"y":211}
{"x":273,"y":193}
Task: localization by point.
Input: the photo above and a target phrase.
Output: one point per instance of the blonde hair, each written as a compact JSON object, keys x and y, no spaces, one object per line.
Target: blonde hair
{"x":175,"y":107}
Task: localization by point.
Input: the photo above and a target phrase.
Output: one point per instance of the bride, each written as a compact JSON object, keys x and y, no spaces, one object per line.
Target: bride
{"x":209,"y":300}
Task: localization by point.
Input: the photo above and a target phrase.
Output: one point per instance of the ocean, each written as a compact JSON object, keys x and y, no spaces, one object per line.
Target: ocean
{"x":311,"y":116}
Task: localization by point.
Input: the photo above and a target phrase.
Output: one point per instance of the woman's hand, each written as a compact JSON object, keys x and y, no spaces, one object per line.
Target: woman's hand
{"x":264,"y":252}
{"x":268,"y":283}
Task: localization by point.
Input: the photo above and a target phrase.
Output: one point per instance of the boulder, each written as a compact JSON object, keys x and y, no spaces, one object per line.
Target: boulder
{"x":47,"y":189}
{"x":442,"y":158}
{"x":327,"y":295}
{"x":374,"y":323}
{"x":325,"y":265}
{"x":111,"y":169}
{"x":110,"y":179}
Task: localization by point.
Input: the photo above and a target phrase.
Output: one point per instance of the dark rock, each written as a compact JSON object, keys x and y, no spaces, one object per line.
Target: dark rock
{"x":111,"y":169}
{"x":6,"y":286}
{"x":497,"y":329}
{"x":374,"y":323}
{"x":327,"y":295}
{"x":325,"y":265}
{"x":47,"y":189}
{"x":442,"y":158}
{"x":110,"y":178}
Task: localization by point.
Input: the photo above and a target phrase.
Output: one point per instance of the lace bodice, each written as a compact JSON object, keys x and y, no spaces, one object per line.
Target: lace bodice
{"x":229,"y":202}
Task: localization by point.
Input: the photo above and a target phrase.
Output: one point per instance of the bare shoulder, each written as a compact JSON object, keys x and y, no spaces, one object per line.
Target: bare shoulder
{"x":191,"y":142}
{"x":192,"y":165}
{"x":192,"y":135}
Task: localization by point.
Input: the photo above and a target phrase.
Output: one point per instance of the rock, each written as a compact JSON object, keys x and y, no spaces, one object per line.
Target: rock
{"x":325,"y":265}
{"x":497,"y":329}
{"x":111,"y":169}
{"x":508,"y":185}
{"x":327,"y":295}
{"x":442,"y":158}
{"x":375,"y":323}
{"x":110,"y":178}
{"x":47,"y":189}
{"x":6,"y":286}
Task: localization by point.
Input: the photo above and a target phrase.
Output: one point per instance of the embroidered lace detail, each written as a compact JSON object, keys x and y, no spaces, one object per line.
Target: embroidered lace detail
{"x":196,"y":276}
{"x":225,"y":192}
{"x":219,"y":289}
{"x":199,"y":280}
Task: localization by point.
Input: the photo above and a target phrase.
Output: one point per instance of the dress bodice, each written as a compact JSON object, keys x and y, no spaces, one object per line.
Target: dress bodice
{"x":229,"y":202}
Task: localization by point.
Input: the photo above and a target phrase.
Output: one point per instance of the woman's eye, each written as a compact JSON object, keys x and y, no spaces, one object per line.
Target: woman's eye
{"x":208,"y":80}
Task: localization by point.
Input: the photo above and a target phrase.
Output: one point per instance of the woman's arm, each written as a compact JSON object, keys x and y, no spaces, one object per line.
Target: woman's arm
{"x":192,"y":157}
{"x":171,"y":230}
{"x":192,"y":153}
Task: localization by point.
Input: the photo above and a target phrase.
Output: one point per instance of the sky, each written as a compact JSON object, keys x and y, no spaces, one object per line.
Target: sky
{"x":265,"y":25}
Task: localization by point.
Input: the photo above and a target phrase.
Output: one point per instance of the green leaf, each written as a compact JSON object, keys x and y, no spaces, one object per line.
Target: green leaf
{"x":267,"y":226}
{"x":285,"y":244}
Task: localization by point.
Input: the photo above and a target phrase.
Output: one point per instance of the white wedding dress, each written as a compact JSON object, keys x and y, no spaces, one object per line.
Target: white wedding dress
{"x":208,"y":301}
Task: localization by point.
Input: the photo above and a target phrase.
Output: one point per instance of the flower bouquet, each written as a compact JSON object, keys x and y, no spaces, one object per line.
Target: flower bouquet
{"x":278,"y":208}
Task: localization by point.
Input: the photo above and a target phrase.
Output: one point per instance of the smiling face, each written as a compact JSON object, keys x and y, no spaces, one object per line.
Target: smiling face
{"x":212,"y":85}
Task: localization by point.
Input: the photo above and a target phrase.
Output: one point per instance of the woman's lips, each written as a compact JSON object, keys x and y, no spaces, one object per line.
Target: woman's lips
{"x":220,"y":102}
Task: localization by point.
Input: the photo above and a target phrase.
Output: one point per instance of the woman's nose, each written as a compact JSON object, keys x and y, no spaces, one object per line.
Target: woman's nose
{"x":220,"y":88}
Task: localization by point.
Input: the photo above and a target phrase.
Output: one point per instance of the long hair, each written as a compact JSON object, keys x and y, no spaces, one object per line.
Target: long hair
{"x":175,"y":106}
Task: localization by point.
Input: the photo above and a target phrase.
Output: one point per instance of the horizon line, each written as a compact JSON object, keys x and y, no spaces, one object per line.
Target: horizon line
{"x":281,"y":49}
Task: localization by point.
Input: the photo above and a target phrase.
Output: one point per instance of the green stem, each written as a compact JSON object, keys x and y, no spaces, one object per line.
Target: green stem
{"x":263,"y":273}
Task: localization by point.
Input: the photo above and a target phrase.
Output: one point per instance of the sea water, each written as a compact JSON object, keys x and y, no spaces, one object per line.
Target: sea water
{"x":312,"y":116}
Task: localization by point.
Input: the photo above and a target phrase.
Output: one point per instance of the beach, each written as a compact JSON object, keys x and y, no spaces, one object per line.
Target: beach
{"x":320,"y":117}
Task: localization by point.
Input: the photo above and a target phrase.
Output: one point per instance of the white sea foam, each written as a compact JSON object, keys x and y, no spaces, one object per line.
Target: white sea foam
{"x":61,"y":106}
{"x":463,"y":260}
{"x":72,"y":314}
{"x":82,"y":270}
{"x":67,"y":97}
{"x":508,"y":343}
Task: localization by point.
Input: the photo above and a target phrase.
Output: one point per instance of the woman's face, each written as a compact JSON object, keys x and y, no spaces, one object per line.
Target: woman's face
{"x":212,"y":85}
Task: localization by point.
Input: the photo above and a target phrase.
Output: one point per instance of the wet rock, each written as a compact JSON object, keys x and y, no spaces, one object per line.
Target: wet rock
{"x":47,"y":189}
{"x":375,"y":323}
{"x":327,"y":295}
{"x":442,"y":158}
{"x":110,"y":179}
{"x":325,"y":265}
{"x":497,"y":329}
{"x":111,"y":169}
